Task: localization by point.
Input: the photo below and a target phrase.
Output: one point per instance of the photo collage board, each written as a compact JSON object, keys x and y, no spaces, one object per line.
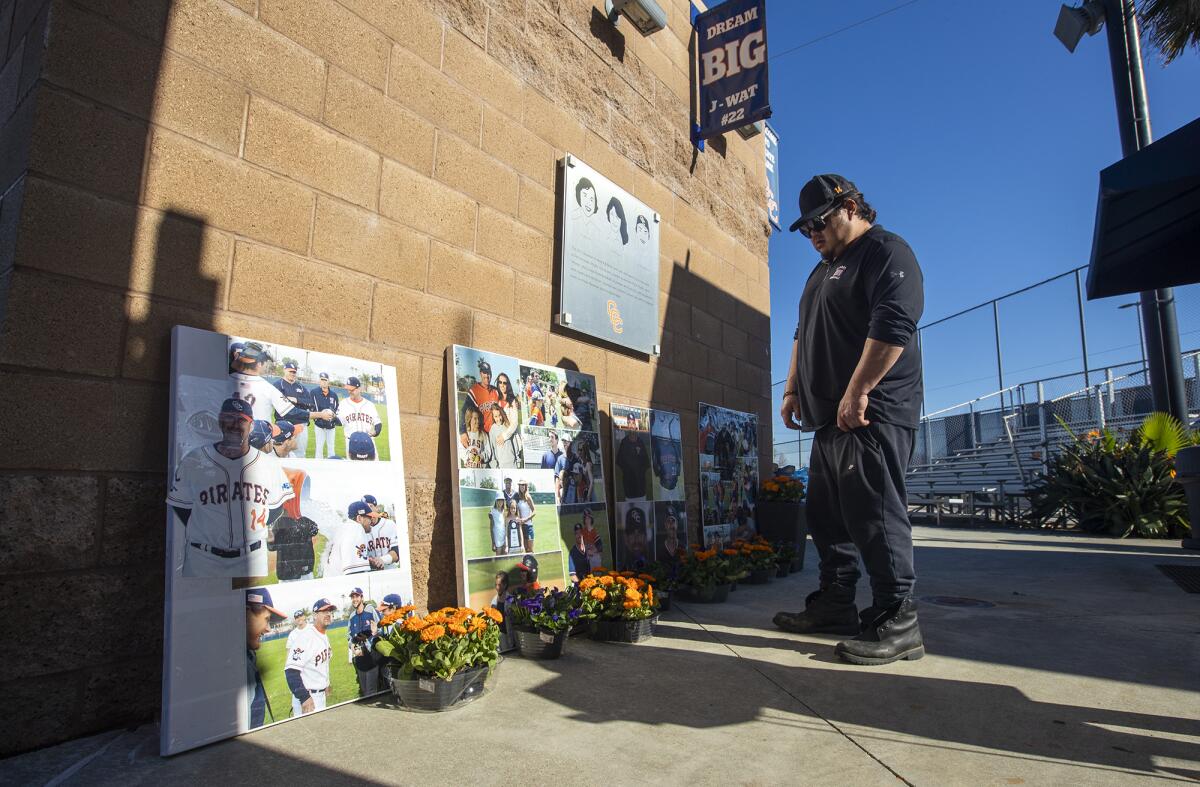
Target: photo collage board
{"x":728,"y":444}
{"x":649,"y":493}
{"x":530,"y":504}
{"x":287,"y":533}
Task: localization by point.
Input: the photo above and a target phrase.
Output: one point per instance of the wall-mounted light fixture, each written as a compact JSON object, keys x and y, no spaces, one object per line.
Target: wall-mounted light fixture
{"x":646,"y":15}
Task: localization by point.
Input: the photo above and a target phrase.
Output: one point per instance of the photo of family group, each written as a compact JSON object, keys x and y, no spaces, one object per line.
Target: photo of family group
{"x":650,"y":493}
{"x":285,"y":486}
{"x":610,"y":244}
{"x":531,"y":503}
{"x":308,"y":645}
{"x":728,"y":445}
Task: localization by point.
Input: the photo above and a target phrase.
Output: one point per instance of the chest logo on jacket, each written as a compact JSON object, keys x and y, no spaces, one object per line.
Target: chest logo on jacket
{"x":837,"y":274}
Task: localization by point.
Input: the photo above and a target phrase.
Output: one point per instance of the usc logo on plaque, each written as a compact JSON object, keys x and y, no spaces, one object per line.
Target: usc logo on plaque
{"x":614,"y":317}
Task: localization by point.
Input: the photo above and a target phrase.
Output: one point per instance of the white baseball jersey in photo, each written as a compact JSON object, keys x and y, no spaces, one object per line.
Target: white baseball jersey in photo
{"x":358,"y":416}
{"x":352,"y":547}
{"x":291,"y":639}
{"x":230,"y":501}
{"x":309,"y":653}
{"x":263,"y":397}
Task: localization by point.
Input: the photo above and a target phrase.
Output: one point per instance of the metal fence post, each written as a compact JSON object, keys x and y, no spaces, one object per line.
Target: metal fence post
{"x":1100,"y":405}
{"x":1112,"y":389}
{"x":999,"y":361}
{"x":1087,"y":380}
{"x":1196,"y":379}
{"x":971,"y":424}
{"x":1045,"y":444}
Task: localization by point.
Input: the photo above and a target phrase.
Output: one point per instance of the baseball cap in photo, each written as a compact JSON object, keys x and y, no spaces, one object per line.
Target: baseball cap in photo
{"x":285,"y":430}
{"x":323,"y":376}
{"x":393,"y":600}
{"x":291,"y":365}
{"x":370,"y":499}
{"x":528,"y":563}
{"x":358,"y":508}
{"x":356,"y":592}
{"x":484,"y":367}
{"x":820,"y":194}
{"x":322,"y":604}
{"x":239,"y":406}
{"x":253,"y":351}
{"x":299,"y":613}
{"x":261,"y":432}
{"x":522,"y":482}
{"x":578,"y":527}
{"x":353,"y":382}
{"x":261,"y":597}
{"x":361,"y":446}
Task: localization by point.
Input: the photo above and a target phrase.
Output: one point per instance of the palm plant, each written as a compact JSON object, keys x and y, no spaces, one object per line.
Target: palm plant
{"x":1171,"y":25}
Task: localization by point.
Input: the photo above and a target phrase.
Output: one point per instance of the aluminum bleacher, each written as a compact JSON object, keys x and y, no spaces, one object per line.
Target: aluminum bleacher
{"x":975,"y":460}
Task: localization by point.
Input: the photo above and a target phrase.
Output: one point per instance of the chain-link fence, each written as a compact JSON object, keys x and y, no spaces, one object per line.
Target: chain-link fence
{"x":988,"y":367}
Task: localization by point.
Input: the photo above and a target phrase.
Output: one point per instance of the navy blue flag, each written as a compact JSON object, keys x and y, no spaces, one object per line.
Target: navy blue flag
{"x":771,"y":161}
{"x":732,"y":67}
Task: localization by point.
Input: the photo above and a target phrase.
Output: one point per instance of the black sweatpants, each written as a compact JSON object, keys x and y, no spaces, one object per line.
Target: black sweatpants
{"x":858,"y":505}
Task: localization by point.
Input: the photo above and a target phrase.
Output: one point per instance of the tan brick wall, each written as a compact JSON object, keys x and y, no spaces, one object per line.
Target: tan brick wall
{"x":369,"y":177}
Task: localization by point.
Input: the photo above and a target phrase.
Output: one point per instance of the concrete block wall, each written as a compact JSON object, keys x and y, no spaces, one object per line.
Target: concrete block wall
{"x":368,"y":177}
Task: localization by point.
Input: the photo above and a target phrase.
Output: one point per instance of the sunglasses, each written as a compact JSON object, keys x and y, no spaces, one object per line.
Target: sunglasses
{"x":819,"y":223}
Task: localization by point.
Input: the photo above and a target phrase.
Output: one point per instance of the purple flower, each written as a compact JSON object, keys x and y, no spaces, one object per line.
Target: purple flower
{"x":573,"y":614}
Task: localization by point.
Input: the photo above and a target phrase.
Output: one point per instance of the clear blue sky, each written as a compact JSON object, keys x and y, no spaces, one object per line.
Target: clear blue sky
{"x":978,"y":138}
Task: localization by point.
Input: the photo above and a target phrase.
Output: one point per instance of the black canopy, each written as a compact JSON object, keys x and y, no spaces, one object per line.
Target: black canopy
{"x":1148,"y":218}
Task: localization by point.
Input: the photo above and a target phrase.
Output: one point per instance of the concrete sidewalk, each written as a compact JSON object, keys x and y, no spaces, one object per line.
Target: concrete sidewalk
{"x":1081,"y":665}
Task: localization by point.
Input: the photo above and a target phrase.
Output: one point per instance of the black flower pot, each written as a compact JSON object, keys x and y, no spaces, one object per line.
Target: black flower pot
{"x":783,"y":569}
{"x":623,"y":630}
{"x":664,"y":600}
{"x":712,"y":594}
{"x":759,"y":576}
{"x":782,"y":520}
{"x":434,"y":694}
{"x":535,"y":643}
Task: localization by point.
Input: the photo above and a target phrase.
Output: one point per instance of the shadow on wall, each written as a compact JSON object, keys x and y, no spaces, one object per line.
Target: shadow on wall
{"x":83,"y":245}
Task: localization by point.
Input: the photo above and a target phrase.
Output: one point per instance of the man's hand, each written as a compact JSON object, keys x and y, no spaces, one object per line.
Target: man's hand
{"x":308,"y":706}
{"x":375,"y":562}
{"x":852,"y":412}
{"x":790,"y":412}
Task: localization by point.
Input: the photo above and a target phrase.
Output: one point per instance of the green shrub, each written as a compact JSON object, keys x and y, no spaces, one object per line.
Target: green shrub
{"x":1118,"y":487}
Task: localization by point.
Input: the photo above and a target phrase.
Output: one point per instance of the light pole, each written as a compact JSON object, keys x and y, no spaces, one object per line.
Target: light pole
{"x":1159,"y":327}
{"x":1141,"y":334}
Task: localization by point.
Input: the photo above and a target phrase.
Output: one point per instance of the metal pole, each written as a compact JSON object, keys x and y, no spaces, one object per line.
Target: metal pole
{"x":999,"y":362}
{"x":1087,"y":380}
{"x":971,"y":424}
{"x":1042,"y":426}
{"x":1196,"y":378}
{"x":1133,"y":121}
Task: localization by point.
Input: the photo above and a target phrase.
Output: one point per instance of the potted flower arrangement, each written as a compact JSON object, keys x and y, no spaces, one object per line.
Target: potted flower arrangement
{"x":542,"y":620}
{"x":621,"y":606}
{"x":705,"y":576}
{"x":441,"y":660}
{"x":665,"y":578}
{"x":780,"y":514}
{"x":759,"y":560}
{"x":785,"y":553}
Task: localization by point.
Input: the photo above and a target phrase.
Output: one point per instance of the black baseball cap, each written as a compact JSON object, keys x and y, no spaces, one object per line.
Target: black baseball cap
{"x":239,"y":406}
{"x":528,"y":563}
{"x":820,"y":194}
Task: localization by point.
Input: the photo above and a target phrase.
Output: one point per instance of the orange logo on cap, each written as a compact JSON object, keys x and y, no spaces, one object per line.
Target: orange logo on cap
{"x":837,"y":189}
{"x":614,"y":316}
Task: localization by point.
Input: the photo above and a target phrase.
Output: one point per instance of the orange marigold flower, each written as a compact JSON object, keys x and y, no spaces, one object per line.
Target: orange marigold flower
{"x":391,"y":618}
{"x":477,"y":625}
{"x":599,"y":570}
{"x":1172,"y":472}
{"x":432,"y":633}
{"x":646,"y":577}
{"x":457,"y":628}
{"x":633,"y":595}
{"x":702,"y":556}
{"x":447,"y":610}
{"x":650,"y":594}
{"x":588,"y":583}
{"x":599,"y":594}
{"x":607,"y":581}
{"x":631,"y":604}
{"x":459,"y":618}
{"x":494,"y":614}
{"x":628,"y":573}
{"x":414,"y":624}
{"x":730,"y":552}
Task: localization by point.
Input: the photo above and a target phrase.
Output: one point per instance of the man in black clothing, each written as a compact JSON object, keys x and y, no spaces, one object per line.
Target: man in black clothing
{"x":855,"y":380}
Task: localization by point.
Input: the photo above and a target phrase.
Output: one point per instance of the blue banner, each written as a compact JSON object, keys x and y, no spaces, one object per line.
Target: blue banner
{"x":731,"y":45}
{"x":771,"y":161}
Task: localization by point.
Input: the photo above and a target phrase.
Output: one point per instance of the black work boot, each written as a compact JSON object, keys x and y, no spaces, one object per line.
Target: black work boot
{"x":892,"y":635}
{"x":826,"y":611}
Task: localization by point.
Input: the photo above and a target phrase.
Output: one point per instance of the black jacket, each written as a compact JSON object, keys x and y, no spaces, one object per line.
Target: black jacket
{"x":874,"y":290}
